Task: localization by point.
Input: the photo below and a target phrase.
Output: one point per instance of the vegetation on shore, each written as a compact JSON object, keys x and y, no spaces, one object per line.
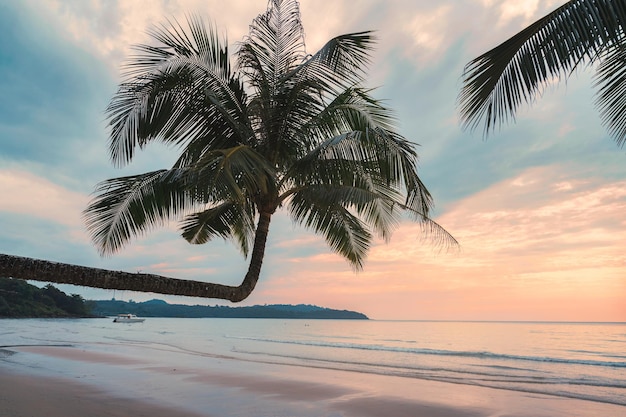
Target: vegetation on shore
{"x":160,"y":308}
{"x":21,"y":299}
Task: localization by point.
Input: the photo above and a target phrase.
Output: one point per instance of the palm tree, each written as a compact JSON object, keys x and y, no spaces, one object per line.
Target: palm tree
{"x":282,"y":129}
{"x":514,"y":72}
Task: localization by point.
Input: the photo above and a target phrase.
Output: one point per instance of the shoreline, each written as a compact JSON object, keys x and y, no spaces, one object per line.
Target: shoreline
{"x":101,"y":383}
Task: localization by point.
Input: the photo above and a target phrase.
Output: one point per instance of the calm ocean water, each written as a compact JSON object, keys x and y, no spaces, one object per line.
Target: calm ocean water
{"x":572,"y":360}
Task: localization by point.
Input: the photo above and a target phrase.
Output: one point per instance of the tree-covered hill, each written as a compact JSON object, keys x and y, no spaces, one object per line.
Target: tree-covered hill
{"x":160,"y":308}
{"x":21,"y":299}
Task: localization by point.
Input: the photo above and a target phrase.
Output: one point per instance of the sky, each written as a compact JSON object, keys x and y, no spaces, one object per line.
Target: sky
{"x":538,"y":207}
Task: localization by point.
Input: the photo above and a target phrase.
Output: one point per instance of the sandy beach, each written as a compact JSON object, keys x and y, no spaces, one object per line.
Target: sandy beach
{"x":34,"y":396}
{"x":65,"y":381}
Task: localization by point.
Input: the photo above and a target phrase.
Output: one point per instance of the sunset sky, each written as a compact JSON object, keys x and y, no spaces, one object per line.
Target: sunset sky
{"x":539,"y":207}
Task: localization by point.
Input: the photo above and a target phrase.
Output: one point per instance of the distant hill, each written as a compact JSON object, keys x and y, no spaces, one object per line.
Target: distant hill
{"x":20,"y":299}
{"x":160,"y":308}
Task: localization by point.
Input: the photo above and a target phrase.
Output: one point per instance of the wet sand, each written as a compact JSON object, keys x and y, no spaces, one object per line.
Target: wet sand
{"x":38,"y":396}
{"x":59,"y":381}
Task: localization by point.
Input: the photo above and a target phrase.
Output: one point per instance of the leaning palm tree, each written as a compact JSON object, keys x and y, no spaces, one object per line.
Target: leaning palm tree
{"x":282,"y":129}
{"x":590,"y":32}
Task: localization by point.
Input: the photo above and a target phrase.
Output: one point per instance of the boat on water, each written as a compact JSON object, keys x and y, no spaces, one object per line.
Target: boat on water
{"x":127,"y":318}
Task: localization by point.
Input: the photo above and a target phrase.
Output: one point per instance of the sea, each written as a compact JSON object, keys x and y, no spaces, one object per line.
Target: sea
{"x":569,"y":360}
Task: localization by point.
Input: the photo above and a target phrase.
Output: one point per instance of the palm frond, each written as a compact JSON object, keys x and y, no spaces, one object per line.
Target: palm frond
{"x":331,"y":74}
{"x":398,"y":162}
{"x":379,"y":206}
{"x":611,"y":96}
{"x":344,"y":232}
{"x":354,"y":109}
{"x":496,"y":83}
{"x":281,"y":128}
{"x":229,"y":220}
{"x":342,"y":61}
{"x":372,"y":173}
{"x":234,"y":174}
{"x":129,"y":206}
{"x":275,"y":43}
{"x":390,"y":158}
{"x":176,"y":92}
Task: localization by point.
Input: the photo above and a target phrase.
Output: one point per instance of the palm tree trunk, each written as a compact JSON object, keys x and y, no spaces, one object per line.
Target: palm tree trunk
{"x":60,"y":273}
{"x":256,"y":259}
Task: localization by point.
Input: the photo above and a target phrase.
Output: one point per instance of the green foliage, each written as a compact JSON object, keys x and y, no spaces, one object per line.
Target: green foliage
{"x":20,"y":299}
{"x":515,"y":72}
{"x":160,"y":308}
{"x":270,"y":126}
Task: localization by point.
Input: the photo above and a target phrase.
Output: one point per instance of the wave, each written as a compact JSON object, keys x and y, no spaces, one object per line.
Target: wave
{"x":444,"y":373}
{"x":440,"y":352}
{"x":575,"y":388}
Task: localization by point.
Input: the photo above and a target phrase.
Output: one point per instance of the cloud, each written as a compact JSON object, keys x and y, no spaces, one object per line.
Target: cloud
{"x":525,"y":240}
{"x":109,"y":28}
{"x":526,"y":10}
{"x":538,"y":207}
{"x":28,"y":194}
{"x":544,"y":237}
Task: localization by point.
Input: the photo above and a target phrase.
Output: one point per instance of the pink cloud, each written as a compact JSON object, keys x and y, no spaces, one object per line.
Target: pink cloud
{"x":27,"y":194}
{"x":544,"y":245}
{"x":531,"y":249}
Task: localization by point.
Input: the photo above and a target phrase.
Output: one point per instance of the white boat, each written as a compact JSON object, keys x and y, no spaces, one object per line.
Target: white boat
{"x":127,"y":318}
